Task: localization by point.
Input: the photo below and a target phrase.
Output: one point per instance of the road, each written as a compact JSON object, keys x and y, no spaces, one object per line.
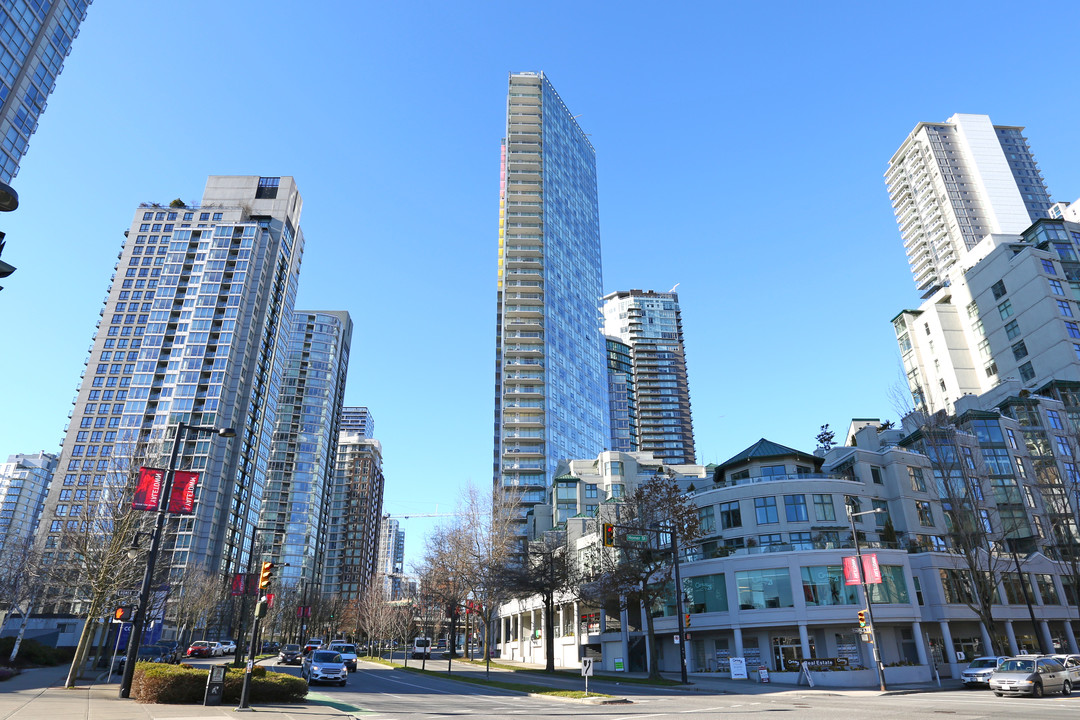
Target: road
{"x":383,"y":692}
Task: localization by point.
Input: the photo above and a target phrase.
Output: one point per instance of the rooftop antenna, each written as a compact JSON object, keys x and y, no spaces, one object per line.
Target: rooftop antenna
{"x":673,"y":287}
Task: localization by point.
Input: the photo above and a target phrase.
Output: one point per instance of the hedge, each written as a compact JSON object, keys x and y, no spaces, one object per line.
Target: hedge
{"x":31,"y":652}
{"x":161,"y":683}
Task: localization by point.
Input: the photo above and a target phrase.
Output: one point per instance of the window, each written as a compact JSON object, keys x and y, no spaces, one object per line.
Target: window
{"x":730,"y":516}
{"x":1027,"y":372}
{"x":1012,"y":329}
{"x":875,"y":474}
{"x":882,"y":517}
{"x":772,"y":540}
{"x":217,"y":217}
{"x":762,"y":589}
{"x":1048,"y":267}
{"x":1005,"y":309}
{"x":824,"y":585}
{"x":590,"y":490}
{"x":1073,"y":329}
{"x":998,"y":289}
{"x":795,"y":507}
{"x":1064,"y":308}
{"x":926,"y":515}
{"x":918,"y":482}
{"x":1056,"y":288}
{"x":707,"y":593}
{"x":1047,"y":589}
{"x":823,"y":507}
{"x":955,"y":587}
{"x":892,"y":589}
{"x":1055,"y":419}
{"x":268,"y":188}
{"x":765,"y":508}
{"x":1019,"y":350}
{"x":801,"y":541}
{"x":706,"y":521}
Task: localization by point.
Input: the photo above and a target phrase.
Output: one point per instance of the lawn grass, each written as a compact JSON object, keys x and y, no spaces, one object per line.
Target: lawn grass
{"x":575,"y":673}
{"x":517,"y":687}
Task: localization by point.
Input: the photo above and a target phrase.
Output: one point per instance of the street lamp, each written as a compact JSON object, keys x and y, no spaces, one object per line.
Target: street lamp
{"x":139,"y":622}
{"x":246,"y":687}
{"x":866,"y":591}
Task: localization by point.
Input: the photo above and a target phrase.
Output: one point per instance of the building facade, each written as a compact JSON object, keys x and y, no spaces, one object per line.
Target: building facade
{"x":24,"y":483}
{"x":651,"y":324}
{"x":391,"y":566}
{"x":36,"y":38}
{"x":358,"y":420}
{"x":764,"y":582}
{"x":194,"y":328}
{"x":550,"y":369}
{"x":296,"y":506}
{"x":622,"y":398}
{"x":355,"y":516}
{"x":953,"y":183}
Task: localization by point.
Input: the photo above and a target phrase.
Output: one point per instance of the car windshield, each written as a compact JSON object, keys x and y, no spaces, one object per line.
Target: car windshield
{"x":291,"y":648}
{"x":424,"y":642}
{"x":150,"y":650}
{"x":199,"y":643}
{"x":1026,"y":666}
{"x":983,"y":663}
{"x":344,"y":648}
{"x":327,"y":657}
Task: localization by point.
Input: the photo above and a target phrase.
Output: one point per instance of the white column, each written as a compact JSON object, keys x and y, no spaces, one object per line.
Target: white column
{"x":1011,"y":635}
{"x":737,"y":632}
{"x":988,"y":646}
{"x":1071,"y":637}
{"x":920,"y":643}
{"x":950,"y":650}
{"x":1047,"y":638}
{"x":804,"y":640}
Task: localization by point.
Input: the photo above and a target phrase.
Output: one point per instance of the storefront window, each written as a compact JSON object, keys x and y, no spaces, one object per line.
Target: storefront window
{"x":761,"y":589}
{"x":824,"y":585}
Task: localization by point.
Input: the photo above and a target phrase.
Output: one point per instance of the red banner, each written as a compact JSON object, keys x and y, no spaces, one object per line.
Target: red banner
{"x":851,"y":571}
{"x":148,"y":490}
{"x":870,"y":569}
{"x":182,"y":494}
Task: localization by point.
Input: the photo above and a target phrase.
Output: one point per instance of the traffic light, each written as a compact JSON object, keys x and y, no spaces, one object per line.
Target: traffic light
{"x":862,"y":618}
{"x":687,"y":619}
{"x":266,"y":575}
{"x":124,"y":613}
{"x":609,"y":535}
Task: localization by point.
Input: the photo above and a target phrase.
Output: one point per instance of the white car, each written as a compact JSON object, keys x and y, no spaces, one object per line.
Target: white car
{"x":324,"y":666}
{"x":215,"y":649}
{"x":347,"y":652}
{"x":228,"y":647}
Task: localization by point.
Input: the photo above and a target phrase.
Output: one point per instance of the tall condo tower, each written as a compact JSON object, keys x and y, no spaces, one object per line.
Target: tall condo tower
{"x":35,"y":40}
{"x":550,"y":367}
{"x":355,"y":516}
{"x":194,"y":329}
{"x":651,"y":324}
{"x":391,"y":566}
{"x":24,"y":482}
{"x":953,"y":183}
{"x":296,"y":507}
{"x":358,"y":420}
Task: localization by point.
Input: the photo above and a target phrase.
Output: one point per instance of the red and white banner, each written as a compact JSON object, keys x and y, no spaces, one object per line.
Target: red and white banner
{"x":148,"y":489}
{"x":182,"y":493}
{"x":870,"y":568}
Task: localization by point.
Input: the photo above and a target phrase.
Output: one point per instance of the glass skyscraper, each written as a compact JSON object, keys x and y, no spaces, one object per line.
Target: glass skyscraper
{"x":35,"y":37}
{"x":551,"y":393}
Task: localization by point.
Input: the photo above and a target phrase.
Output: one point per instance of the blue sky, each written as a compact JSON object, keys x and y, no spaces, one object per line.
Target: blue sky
{"x":740,"y":152}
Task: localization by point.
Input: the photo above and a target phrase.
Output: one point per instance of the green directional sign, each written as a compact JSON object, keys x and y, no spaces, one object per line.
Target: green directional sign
{"x":637,"y":538}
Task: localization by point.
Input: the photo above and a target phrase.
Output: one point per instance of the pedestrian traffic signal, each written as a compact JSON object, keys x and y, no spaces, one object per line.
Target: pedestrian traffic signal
{"x":609,"y":535}
{"x":862,"y":618}
{"x":266,"y":575}
{"x":124,"y":613}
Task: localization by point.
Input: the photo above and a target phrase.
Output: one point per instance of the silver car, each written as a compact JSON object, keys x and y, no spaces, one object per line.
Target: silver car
{"x":1031,"y":675}
{"x":324,"y":666}
{"x":978,"y":673}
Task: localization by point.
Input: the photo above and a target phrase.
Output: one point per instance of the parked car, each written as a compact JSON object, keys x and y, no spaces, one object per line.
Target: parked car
{"x":289,"y":655}
{"x":147,"y":653}
{"x":199,"y":648}
{"x":215,"y":648}
{"x":228,"y":647}
{"x":421,"y":648}
{"x":347,"y":652}
{"x":174,"y":650}
{"x":324,"y":666}
{"x":1032,"y":675}
{"x":1072,"y":664}
{"x":271,"y":647}
{"x":978,"y":672}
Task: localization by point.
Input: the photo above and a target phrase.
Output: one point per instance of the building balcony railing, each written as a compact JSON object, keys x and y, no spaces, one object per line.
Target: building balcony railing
{"x":781,"y":478}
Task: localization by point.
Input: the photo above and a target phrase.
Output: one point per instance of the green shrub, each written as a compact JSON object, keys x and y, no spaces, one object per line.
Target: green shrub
{"x":159,"y":683}
{"x":31,"y":652}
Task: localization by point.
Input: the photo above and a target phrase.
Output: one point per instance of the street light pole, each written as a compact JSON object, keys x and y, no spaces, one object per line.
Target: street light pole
{"x":139,"y":621}
{"x":679,"y":604}
{"x":866,"y":593}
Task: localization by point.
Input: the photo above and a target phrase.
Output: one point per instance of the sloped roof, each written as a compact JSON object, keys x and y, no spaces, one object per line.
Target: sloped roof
{"x":763,"y":449}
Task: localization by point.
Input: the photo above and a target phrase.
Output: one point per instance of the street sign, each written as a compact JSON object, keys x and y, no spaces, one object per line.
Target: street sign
{"x":676,"y":639}
{"x":587,"y":667}
{"x":637,"y":538}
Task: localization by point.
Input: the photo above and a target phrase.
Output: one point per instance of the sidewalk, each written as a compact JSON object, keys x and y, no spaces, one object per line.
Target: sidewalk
{"x":39,"y":693}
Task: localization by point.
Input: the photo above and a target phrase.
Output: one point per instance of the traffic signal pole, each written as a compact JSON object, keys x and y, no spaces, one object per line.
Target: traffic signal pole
{"x":679,"y":604}
{"x":866,"y":596}
{"x":265,"y":577}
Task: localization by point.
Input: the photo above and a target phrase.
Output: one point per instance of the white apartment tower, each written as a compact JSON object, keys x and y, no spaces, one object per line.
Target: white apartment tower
{"x":651,"y":324}
{"x":953,"y":183}
{"x":24,"y":483}
{"x":194,"y":329}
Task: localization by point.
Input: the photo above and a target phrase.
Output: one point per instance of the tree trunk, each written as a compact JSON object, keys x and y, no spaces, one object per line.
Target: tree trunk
{"x":549,"y":633}
{"x":19,"y":637}
{"x":654,"y":651}
{"x":83,"y":646}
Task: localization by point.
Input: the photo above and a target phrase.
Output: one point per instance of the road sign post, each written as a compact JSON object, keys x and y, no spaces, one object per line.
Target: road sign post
{"x":586,"y":671}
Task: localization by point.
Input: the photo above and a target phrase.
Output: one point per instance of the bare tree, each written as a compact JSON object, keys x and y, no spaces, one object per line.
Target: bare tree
{"x":638,"y":574}
{"x":446,"y":572}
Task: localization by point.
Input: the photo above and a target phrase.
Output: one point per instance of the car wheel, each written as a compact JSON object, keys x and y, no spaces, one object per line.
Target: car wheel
{"x":997,"y":693}
{"x":1066,"y":688}
{"x":342,"y":683}
{"x":1037,"y":690}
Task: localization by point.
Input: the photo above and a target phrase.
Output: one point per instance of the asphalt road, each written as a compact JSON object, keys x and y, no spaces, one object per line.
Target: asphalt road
{"x":382,"y":692}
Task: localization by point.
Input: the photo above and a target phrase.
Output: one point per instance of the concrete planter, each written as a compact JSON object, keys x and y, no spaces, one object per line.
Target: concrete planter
{"x":855,"y":678}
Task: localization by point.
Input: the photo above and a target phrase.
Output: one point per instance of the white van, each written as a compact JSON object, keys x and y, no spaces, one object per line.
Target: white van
{"x":421,"y":648}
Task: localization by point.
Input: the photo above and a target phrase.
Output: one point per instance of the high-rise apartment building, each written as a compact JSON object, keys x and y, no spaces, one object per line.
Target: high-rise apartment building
{"x":194,"y":329}
{"x":550,"y":366}
{"x":391,"y":565}
{"x":358,"y":420}
{"x":296,"y":506}
{"x":622,"y":399}
{"x":651,"y":324}
{"x":355,"y":516}
{"x":36,"y":37}
{"x":953,"y":183}
{"x":24,"y":483}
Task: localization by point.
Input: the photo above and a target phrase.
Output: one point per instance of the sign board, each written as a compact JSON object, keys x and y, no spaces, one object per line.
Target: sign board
{"x":620,"y":666}
{"x":637,"y":538}
{"x":960,"y":657}
{"x":805,"y":672}
{"x":182,"y":492}
{"x":587,"y":667}
{"x":763,"y":673}
{"x":148,"y":489}
{"x":870,"y":569}
{"x":738,"y":668}
{"x":215,"y":685}
{"x":676,"y":639}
